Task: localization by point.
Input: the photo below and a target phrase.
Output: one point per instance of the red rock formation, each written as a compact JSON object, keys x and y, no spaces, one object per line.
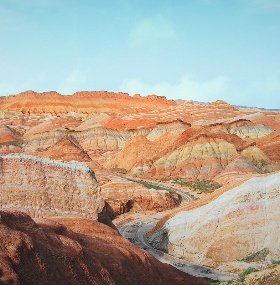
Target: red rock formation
{"x":79,"y":252}
{"x":81,"y":102}
{"x":124,"y":195}
{"x":67,"y":149}
{"x":196,"y":154}
{"x":140,"y":152}
{"x":270,"y":145}
{"x":7,"y":134}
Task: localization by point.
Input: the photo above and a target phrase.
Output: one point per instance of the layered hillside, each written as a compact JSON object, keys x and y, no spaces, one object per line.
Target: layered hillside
{"x":44,"y":187}
{"x":148,"y":137}
{"x":76,"y":251}
{"x":81,"y":102}
{"x":238,"y":229}
{"x":49,"y":144}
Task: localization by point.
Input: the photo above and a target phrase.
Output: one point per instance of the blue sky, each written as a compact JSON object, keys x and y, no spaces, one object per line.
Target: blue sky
{"x":201,"y":50}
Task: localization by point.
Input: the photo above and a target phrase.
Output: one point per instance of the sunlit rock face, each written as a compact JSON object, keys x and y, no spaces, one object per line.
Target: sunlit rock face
{"x":76,"y":251}
{"x":239,"y":223}
{"x":45,"y":187}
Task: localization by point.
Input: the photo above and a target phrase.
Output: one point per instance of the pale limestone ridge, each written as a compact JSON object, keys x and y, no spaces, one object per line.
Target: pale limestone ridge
{"x":236,"y":225}
{"x":72,"y":165}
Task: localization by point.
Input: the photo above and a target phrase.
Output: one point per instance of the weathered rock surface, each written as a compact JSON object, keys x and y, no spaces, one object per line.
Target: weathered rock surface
{"x":79,"y":252}
{"x":239,"y":223}
{"x":44,"y":187}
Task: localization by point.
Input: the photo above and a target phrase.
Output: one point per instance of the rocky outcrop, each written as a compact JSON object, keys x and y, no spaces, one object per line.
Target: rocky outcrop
{"x":244,"y":129}
{"x":248,"y":215}
{"x":42,"y":141}
{"x":103,"y":139}
{"x":79,"y":252}
{"x":44,"y":187}
{"x":123,"y":195}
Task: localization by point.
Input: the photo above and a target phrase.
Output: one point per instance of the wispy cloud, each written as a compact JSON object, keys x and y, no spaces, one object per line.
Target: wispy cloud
{"x":261,"y":6}
{"x":36,"y":83}
{"x":186,"y":88}
{"x":37,"y":3}
{"x":152,"y":30}
{"x":74,"y":81}
{"x":9,"y":20}
{"x":269,"y":84}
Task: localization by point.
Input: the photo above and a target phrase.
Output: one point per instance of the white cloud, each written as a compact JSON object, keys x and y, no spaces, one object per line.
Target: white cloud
{"x":150,"y":31}
{"x":187,"y":88}
{"x":74,"y":81}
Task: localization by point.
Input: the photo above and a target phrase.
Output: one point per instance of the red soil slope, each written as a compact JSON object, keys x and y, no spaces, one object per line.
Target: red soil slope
{"x":82,"y":252}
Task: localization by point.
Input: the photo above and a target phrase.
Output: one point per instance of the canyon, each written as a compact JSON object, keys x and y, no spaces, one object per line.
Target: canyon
{"x":73,"y":162}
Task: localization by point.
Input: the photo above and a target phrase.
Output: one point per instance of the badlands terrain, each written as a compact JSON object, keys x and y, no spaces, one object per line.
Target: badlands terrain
{"x":197,"y":185}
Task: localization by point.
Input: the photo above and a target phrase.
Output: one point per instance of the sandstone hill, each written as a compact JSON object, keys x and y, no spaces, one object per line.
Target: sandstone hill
{"x":76,"y":251}
{"x":238,"y":229}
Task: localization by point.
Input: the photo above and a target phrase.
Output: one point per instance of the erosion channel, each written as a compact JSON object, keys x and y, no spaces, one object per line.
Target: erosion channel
{"x":138,"y":225}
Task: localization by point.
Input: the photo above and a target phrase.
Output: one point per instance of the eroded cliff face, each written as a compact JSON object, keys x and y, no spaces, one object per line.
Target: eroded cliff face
{"x":45,"y":187}
{"x":229,"y":231}
{"x":76,"y":251}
